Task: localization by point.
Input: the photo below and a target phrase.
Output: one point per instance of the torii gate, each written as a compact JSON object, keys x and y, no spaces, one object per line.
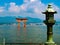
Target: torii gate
{"x":21,"y":19}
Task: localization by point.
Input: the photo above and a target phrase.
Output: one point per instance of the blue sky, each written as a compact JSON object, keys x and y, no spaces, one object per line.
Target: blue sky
{"x":28,"y":8}
{"x":56,"y":2}
{"x":19,"y":2}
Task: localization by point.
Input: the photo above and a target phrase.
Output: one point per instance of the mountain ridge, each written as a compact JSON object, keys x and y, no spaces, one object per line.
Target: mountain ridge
{"x":12,"y":19}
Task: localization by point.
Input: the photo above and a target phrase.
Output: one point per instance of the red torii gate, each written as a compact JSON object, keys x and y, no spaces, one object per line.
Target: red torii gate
{"x":21,"y":19}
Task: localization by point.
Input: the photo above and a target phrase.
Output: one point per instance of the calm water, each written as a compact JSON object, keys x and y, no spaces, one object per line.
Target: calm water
{"x":30,"y":34}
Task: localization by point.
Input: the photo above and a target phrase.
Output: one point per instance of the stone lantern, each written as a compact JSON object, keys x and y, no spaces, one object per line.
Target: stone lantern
{"x":49,"y":22}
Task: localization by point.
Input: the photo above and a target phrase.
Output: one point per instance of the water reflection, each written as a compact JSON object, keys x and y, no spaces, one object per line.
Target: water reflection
{"x":18,"y":27}
{"x":24,"y":25}
{"x":21,"y":33}
{"x":18,"y":32}
{"x":25,"y":33}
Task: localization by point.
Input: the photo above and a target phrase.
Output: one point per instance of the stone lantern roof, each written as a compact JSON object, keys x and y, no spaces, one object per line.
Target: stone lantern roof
{"x":50,"y":9}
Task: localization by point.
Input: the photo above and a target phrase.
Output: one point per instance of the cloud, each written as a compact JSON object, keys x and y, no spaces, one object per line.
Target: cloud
{"x":33,"y":0}
{"x":13,"y":8}
{"x":26,"y":1}
{"x":34,"y":8}
{"x":39,"y":7}
{"x":34,"y":5}
{"x":30,"y":8}
{"x":1,"y":9}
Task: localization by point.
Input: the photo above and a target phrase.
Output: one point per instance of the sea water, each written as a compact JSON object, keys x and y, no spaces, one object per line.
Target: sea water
{"x":30,"y":34}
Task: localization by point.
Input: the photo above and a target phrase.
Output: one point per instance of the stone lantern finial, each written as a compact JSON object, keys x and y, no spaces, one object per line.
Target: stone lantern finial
{"x":49,"y":6}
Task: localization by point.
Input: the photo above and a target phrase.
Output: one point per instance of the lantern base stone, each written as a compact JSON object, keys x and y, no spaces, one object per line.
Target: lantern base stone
{"x":50,"y":43}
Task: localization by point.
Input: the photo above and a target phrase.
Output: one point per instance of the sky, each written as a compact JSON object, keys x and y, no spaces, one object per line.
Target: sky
{"x":28,"y":8}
